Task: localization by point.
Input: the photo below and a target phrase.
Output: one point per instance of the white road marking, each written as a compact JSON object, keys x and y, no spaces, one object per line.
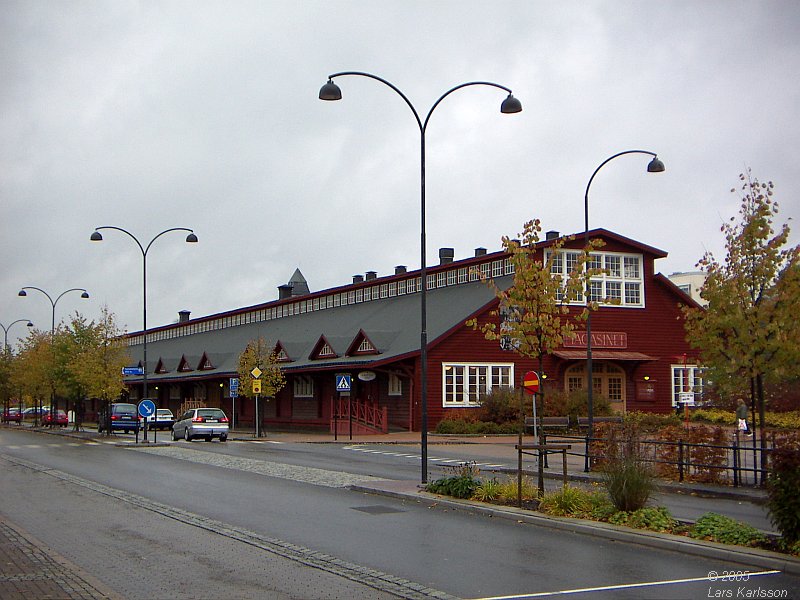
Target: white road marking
{"x":623,"y":586}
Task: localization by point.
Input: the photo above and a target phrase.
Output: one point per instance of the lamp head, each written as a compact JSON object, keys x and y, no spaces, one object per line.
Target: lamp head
{"x":85,"y":294}
{"x":330,"y":91}
{"x":96,"y":237}
{"x":510,"y":105}
{"x":655,"y":166}
{"x":30,"y":324}
{"x":191,"y":238}
{"x":22,"y":293}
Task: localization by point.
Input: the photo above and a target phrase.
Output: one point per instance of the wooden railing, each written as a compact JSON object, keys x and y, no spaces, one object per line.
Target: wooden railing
{"x":363,"y":413}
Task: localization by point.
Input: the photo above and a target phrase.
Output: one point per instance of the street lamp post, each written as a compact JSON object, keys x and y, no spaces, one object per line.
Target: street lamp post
{"x":84,"y":294}
{"x":98,"y":237}
{"x":654,"y":166}
{"x":331,"y":91}
{"x":7,"y":399}
{"x":5,"y":330}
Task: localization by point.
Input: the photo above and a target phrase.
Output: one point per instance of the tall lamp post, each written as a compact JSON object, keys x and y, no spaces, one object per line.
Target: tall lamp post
{"x":654,"y":166}
{"x":5,"y":330}
{"x":510,"y":105}
{"x":84,"y":294}
{"x":98,"y":237}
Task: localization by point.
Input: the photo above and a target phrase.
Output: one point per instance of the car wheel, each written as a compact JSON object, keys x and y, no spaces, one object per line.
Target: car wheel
{"x":223,"y":437}
{"x":186,"y":435}
{"x":208,"y":438}
{"x":174,"y":436}
{"x":127,"y":430}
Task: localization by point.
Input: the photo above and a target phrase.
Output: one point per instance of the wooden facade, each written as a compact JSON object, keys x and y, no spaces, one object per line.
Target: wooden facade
{"x":641,"y":358}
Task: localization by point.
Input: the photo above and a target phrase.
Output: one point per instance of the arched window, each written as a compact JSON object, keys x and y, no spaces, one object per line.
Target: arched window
{"x":608,"y":380}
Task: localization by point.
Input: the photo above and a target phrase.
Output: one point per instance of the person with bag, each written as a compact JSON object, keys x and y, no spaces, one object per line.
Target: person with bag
{"x":741,"y":415}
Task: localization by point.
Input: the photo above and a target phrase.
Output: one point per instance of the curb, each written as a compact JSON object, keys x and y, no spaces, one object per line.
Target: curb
{"x":664,"y":541}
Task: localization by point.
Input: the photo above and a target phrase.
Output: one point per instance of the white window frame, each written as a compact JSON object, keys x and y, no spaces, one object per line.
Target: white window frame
{"x":395,"y":385}
{"x":476,"y":378}
{"x":624,"y":282}
{"x":695,"y":379}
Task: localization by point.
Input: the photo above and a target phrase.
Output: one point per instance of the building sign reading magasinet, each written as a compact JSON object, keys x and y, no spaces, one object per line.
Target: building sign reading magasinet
{"x":600,"y":339}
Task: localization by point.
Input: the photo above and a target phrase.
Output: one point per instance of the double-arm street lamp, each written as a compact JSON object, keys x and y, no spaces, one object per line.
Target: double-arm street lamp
{"x":5,"y":330}
{"x":98,"y":237}
{"x":654,"y":166}
{"x":84,"y":294}
{"x":331,"y":91}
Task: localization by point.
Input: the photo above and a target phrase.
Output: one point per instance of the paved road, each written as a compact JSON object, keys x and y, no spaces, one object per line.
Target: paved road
{"x":189,"y":521}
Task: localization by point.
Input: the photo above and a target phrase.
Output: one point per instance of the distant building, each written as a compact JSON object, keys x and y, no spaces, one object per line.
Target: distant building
{"x":690,"y":283}
{"x":369,"y":329}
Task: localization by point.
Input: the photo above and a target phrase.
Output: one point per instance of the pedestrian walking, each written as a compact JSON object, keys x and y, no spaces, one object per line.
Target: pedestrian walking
{"x":741,"y":415}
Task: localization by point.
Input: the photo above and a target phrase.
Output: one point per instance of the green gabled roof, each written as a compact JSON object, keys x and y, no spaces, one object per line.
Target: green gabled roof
{"x":392,"y":324}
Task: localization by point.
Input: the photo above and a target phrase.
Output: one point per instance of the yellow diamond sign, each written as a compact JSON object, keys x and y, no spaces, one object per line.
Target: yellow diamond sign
{"x":256,"y":373}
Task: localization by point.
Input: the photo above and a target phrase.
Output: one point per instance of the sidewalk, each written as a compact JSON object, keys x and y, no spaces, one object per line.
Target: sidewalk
{"x":29,"y":569}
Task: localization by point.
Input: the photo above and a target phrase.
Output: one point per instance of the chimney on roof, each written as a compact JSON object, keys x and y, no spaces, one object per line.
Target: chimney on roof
{"x":372,"y":275}
{"x":552,"y":235}
{"x":284,"y":291}
{"x":358,"y":278}
{"x":399,"y":269}
{"x":183,"y":316}
{"x":446,"y":255}
{"x":480,"y":251}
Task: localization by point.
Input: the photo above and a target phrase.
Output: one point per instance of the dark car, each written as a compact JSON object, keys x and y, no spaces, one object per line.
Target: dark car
{"x":12,"y":415}
{"x":60,"y":418}
{"x":119,"y":416}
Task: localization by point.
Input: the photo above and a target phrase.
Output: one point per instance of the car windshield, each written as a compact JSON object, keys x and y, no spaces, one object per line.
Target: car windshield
{"x":124,"y":408}
{"x":163,"y":412}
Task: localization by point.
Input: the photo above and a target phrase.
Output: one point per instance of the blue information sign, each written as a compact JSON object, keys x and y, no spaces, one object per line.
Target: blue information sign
{"x":342,"y":382}
{"x":147,"y":408}
{"x":132,"y":371}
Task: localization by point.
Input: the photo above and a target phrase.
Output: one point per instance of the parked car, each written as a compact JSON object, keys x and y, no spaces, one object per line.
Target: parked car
{"x":12,"y":415}
{"x":35,"y":412}
{"x":205,"y":423}
{"x":164,"y":419}
{"x":118,"y":416}
{"x":60,"y":418}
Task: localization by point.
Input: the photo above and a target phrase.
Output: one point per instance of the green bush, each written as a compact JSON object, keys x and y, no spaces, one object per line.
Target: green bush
{"x":650,"y":422}
{"x":578,"y":503}
{"x":463,"y":427}
{"x":461,"y":485}
{"x":629,"y":482}
{"x":783,"y":491}
{"x":718,"y":528}
{"x":657,"y":518}
{"x":502,"y":406}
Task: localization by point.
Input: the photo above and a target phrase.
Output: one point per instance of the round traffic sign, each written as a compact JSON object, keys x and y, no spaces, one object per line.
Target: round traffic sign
{"x":147,"y":408}
{"x":530,"y":383}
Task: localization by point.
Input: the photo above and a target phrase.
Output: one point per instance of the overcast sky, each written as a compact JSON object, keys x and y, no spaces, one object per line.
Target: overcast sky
{"x":198,"y":114}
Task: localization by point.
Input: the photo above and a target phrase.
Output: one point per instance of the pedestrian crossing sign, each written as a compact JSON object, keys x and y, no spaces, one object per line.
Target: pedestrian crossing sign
{"x":343,"y":382}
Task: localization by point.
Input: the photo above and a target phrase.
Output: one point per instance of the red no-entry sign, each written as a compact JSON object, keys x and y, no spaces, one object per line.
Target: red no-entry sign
{"x":530,"y":383}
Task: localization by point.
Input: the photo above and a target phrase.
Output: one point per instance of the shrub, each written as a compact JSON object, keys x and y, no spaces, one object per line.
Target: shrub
{"x":487,"y":490}
{"x":650,"y":422}
{"x":502,"y":406}
{"x":718,"y":528}
{"x":657,"y":518}
{"x":461,"y":485}
{"x":509,"y":489}
{"x":783,"y":492}
{"x":629,"y":482}
{"x":577,"y":502}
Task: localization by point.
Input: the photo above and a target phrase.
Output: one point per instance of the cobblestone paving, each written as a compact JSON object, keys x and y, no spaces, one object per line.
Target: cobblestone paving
{"x":29,"y":570}
{"x":311,"y":475}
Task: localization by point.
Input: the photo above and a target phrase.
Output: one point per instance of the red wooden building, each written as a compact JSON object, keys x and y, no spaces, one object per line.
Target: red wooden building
{"x":370,"y":330}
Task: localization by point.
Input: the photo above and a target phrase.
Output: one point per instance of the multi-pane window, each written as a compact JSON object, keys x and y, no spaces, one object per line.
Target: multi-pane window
{"x":303,"y":386}
{"x":463,"y":384}
{"x":462,"y":275}
{"x":687,"y":379}
{"x":441,"y":279}
{"x":620,"y":281}
{"x":497,"y":268}
{"x":451,"y":277}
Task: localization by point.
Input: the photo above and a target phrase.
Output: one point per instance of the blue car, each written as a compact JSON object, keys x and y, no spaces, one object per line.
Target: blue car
{"x":119,"y":416}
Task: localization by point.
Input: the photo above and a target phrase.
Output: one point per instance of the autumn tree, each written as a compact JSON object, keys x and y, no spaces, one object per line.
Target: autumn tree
{"x":259,"y":355}
{"x":533,"y":313}
{"x":96,"y":360}
{"x":749,"y":333}
{"x":32,"y":370}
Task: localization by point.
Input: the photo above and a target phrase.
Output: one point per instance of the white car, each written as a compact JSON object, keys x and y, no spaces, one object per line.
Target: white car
{"x":164,"y":419}
{"x":206,"y":423}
